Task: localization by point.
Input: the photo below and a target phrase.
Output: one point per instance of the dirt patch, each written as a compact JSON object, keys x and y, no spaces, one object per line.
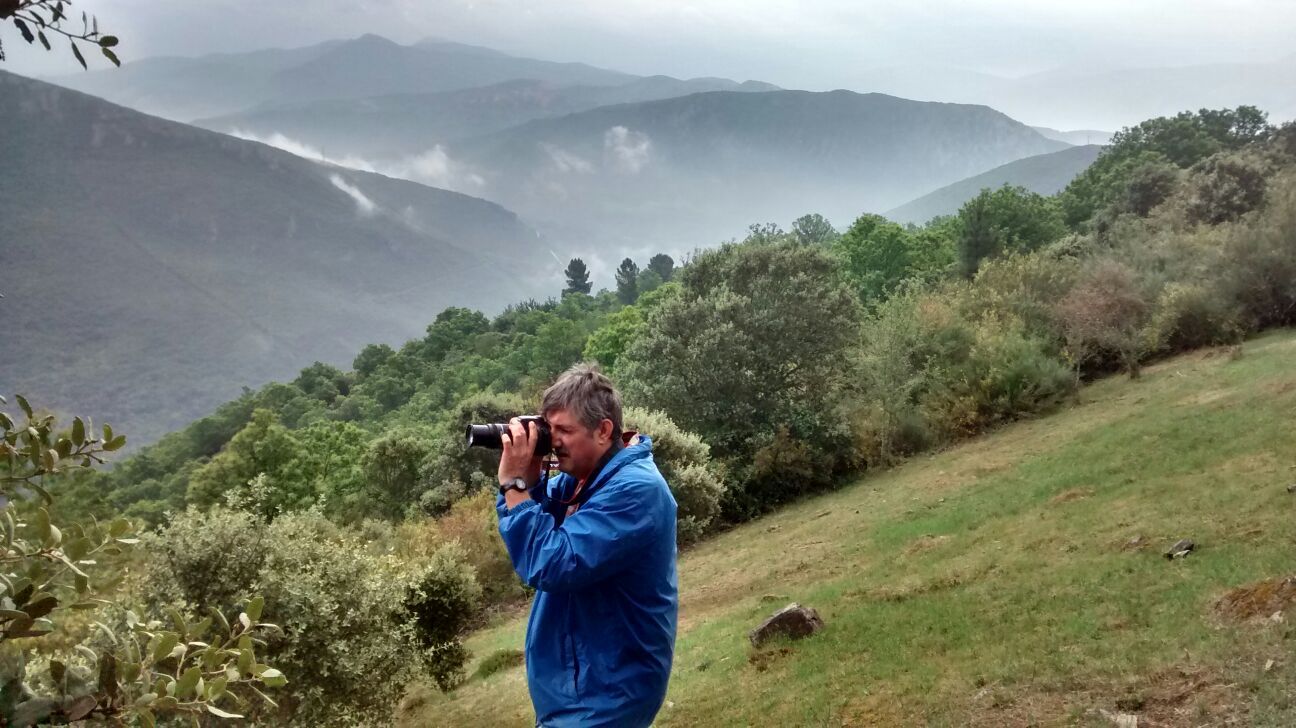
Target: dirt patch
{"x":1207,"y":397}
{"x":1067,"y":496}
{"x":1259,"y":600}
{"x":1283,"y":387}
{"x":876,"y":709}
{"x":924,"y":543}
{"x":905,"y":591}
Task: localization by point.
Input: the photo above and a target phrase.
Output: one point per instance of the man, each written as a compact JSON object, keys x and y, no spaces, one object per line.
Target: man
{"x":598,"y":544}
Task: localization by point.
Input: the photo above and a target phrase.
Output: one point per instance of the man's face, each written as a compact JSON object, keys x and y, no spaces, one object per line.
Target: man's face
{"x":578,"y":447}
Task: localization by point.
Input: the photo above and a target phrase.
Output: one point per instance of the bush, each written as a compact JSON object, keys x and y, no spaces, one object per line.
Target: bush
{"x":472,"y":525}
{"x":357,"y":624}
{"x":1191,"y":315}
{"x":1006,"y":374}
{"x":1259,"y":261}
{"x":498,"y":660}
{"x":205,"y":559}
{"x":685,"y":462}
{"x":1103,"y":316}
{"x":442,"y":595}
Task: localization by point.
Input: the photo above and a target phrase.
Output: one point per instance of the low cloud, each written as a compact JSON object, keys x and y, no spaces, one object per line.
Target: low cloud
{"x":626,"y":151}
{"x":433,"y":167}
{"x":566,"y":162}
{"x":364,"y":205}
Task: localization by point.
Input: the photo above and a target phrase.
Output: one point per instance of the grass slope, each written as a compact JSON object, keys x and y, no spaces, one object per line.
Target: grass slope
{"x":993,"y":584}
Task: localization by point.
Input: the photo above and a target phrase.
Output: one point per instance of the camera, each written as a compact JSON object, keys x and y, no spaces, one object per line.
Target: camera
{"x":491,"y":435}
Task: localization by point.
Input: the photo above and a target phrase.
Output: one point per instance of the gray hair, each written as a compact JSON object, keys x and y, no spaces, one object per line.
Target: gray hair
{"x":586,"y":393}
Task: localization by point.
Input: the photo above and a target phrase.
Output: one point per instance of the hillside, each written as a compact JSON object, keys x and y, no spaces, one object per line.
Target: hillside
{"x":191,"y":88}
{"x":406,"y":124}
{"x":1017,"y":579}
{"x":151,"y":269}
{"x":1045,"y":174}
{"x":698,"y":168}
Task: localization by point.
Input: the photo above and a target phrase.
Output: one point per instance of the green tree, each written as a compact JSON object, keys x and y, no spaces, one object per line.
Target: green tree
{"x":663,"y":265}
{"x":813,"y":229}
{"x":264,"y":446}
{"x":393,"y":470}
{"x":609,"y":341}
{"x":578,"y":280}
{"x":756,"y":342}
{"x":1005,"y":220}
{"x":370,"y":358}
{"x":877,"y":255}
{"x":627,"y":281}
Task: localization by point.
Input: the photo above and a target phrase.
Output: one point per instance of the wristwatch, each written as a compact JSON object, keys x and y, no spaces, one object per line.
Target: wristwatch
{"x":514,"y":484}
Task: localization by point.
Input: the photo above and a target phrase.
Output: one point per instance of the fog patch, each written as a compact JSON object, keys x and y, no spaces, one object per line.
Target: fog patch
{"x":433,"y":167}
{"x":625,"y":150}
{"x":364,"y":205}
{"x":566,"y":162}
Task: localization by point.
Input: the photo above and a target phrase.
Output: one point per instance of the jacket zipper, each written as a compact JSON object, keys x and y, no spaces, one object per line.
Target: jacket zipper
{"x":575,"y":665}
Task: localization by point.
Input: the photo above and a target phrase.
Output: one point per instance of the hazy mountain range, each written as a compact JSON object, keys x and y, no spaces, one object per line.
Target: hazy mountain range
{"x":696,"y":169}
{"x":396,"y":125}
{"x":1045,"y":174}
{"x":150,"y":269}
{"x":190,"y":88}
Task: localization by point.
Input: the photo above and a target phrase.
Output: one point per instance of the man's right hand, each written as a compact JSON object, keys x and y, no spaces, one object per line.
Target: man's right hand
{"x":519,"y":459}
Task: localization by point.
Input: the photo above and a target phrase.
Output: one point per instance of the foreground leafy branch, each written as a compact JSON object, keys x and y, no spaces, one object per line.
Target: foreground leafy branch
{"x":126,"y":670}
{"x":34,"y":18}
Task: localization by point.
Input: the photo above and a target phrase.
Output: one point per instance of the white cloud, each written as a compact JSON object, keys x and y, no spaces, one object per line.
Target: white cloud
{"x":624,"y":150}
{"x":565,"y":161}
{"x":433,"y":167}
{"x":364,"y":205}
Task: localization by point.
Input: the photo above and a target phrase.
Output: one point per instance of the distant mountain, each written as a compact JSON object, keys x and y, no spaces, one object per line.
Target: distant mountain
{"x":1100,"y":98}
{"x":1077,"y":136}
{"x":150,"y":269}
{"x":403,"y":124}
{"x":189,"y":88}
{"x":1046,"y":174}
{"x":696,"y":169}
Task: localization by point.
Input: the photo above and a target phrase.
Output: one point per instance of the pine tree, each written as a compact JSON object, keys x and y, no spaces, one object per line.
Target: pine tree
{"x":577,"y":278}
{"x":627,"y":280}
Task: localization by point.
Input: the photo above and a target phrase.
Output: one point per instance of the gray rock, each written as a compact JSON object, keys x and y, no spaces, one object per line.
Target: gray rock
{"x":1181,"y":549}
{"x":794,"y":621}
{"x":1291,"y":488}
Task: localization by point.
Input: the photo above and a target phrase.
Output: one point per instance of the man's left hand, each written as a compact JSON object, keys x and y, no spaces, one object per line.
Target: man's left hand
{"x":519,"y":460}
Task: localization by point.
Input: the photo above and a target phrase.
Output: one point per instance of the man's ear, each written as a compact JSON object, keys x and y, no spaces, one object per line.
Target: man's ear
{"x":605,"y":430}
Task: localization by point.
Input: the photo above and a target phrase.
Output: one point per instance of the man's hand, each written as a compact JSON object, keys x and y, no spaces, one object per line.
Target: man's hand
{"x":519,"y":460}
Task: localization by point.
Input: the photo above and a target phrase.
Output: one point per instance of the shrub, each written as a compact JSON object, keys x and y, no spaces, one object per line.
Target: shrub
{"x":685,"y":462}
{"x":442,"y":595}
{"x":1259,"y":261}
{"x":1191,"y":315}
{"x":205,"y":559}
{"x":472,"y":525}
{"x":1103,"y":315}
{"x":498,"y":660}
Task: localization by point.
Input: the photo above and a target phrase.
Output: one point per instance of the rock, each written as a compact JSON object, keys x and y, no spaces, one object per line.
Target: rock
{"x":1135,"y":543}
{"x":794,"y":621}
{"x":1181,"y":549}
{"x":1292,"y":488}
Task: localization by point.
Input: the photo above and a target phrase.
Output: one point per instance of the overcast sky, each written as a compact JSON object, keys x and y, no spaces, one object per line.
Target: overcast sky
{"x":812,"y":45}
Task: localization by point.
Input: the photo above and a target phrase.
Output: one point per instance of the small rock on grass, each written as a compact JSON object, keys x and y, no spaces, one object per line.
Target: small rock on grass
{"x":1181,"y":549}
{"x":794,"y":621}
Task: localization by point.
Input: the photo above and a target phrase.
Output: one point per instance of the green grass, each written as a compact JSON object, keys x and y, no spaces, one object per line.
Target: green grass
{"x":991,"y":584}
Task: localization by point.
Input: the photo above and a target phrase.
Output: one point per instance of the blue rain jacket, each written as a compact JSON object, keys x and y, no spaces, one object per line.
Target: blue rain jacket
{"x":601,"y":635}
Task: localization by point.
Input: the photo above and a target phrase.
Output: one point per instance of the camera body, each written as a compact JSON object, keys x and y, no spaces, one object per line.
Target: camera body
{"x":491,"y":436}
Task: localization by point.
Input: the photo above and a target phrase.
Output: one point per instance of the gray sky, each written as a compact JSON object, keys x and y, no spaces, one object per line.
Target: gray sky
{"x":812,"y":45}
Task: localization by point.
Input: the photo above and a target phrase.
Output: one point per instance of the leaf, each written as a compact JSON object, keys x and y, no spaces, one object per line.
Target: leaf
{"x":108,"y":53}
{"x":244,"y":620}
{"x":273,"y":678}
{"x":220,"y":713}
{"x":254,"y":608}
{"x":78,"y":431}
{"x":177,"y":620}
{"x":107,"y":431}
{"x":115,"y":443}
{"x":41,"y":525}
{"x":119,"y":527}
{"x":44,"y":41}
{"x":80,"y":59}
{"x":165,"y":645}
{"x":41,"y":605}
{"x":22,"y":401}
{"x":147,"y":720}
{"x":81,"y":707}
{"x":6,"y":421}
{"x":108,"y":41}
{"x":187,"y":682}
{"x":220,"y":619}
{"x":57,"y":671}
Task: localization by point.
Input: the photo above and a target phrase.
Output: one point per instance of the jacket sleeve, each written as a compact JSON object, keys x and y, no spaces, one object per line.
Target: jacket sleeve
{"x":594,"y":543}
